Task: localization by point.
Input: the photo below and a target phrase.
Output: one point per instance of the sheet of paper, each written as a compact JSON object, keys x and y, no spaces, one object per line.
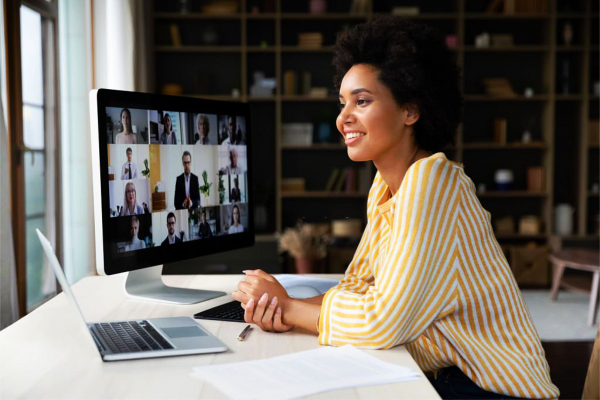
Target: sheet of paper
{"x":322,"y":285}
{"x":302,"y":374}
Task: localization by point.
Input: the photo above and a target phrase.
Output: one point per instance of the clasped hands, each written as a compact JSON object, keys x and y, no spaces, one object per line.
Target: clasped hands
{"x":263,"y":299}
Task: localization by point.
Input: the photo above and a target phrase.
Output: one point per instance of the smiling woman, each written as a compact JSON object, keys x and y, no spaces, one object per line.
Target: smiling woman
{"x":428,"y":272}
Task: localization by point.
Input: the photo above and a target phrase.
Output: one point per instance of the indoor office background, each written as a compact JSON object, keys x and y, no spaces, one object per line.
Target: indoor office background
{"x":529,"y":137}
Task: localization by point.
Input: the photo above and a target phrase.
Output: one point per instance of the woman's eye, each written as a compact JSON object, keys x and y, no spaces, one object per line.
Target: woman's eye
{"x":341,"y":106}
{"x":362,"y":102}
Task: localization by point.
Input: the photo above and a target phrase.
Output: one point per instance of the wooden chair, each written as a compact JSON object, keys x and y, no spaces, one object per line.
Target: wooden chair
{"x":579,"y":259}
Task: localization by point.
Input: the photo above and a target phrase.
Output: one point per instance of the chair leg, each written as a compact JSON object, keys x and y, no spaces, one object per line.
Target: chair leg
{"x":594,"y":299}
{"x":557,"y":273}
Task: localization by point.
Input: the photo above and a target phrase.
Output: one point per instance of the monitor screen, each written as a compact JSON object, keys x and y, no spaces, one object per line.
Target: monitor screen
{"x":174,"y":178}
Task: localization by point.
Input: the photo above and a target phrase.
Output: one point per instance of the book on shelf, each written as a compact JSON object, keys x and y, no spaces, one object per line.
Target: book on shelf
{"x":351,"y":180}
{"x":175,"y":35}
{"x":305,"y":84}
{"x":332,"y":179}
{"x":310,"y":40}
{"x":339,"y":184}
{"x":500,"y":130}
{"x":289,"y":82}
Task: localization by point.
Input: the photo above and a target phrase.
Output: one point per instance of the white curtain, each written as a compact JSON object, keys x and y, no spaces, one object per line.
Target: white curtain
{"x":9,"y":309}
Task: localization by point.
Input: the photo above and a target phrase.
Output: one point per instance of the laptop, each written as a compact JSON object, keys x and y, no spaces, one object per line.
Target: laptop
{"x":139,"y":338}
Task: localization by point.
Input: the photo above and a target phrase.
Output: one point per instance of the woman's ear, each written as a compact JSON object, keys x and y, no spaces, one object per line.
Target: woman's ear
{"x":412,"y":114}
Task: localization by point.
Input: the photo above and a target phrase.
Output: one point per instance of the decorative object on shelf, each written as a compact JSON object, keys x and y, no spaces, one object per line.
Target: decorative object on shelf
{"x":305,"y":83}
{"x":235,"y":93}
{"x":481,"y":188}
{"x":595,"y":188}
{"x":530,"y":264}
{"x":500,"y":130}
{"x":505,"y":226}
{"x":563,"y":216}
{"x":262,"y":85}
{"x":324,"y":132}
{"x":300,"y":133}
{"x":452,"y":41}
{"x":360,"y":7}
{"x":175,"y":35}
{"x":220,"y":7}
{"x":482,"y":41}
{"x":529,"y":92}
{"x":172,"y":89}
{"x":565,"y":86}
{"x":205,"y":188}
{"x":306,"y":243}
{"x":567,"y":33}
{"x":504,"y":179}
{"x":210,"y":37}
{"x":296,"y":185}
{"x":146,"y":170}
{"x":529,"y":225}
{"x":406,"y":11}
{"x":346,"y":228}
{"x":535,"y":179}
{"x":594,"y":132}
{"x":310,"y":40}
{"x":318,"y":92}
{"x":289,"y":82}
{"x":502,"y":40}
{"x":498,"y":87}
{"x":318,"y":6}
{"x":526,"y":137}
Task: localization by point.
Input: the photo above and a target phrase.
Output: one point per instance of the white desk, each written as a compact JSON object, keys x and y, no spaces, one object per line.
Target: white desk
{"x":47,"y":355}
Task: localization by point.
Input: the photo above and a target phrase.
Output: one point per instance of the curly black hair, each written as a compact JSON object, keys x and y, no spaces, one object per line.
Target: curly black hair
{"x":414,"y":62}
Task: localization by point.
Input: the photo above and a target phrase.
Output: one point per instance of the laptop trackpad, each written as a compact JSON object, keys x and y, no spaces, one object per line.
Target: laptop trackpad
{"x":184,"y":332}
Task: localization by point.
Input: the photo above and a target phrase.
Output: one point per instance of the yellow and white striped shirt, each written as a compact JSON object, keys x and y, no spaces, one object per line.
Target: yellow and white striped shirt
{"x":429,"y":273}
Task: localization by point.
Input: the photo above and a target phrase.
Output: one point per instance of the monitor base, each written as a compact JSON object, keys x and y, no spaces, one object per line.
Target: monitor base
{"x":146,"y":284}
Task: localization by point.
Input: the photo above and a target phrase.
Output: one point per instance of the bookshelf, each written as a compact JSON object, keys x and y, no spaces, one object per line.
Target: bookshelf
{"x":267,"y":41}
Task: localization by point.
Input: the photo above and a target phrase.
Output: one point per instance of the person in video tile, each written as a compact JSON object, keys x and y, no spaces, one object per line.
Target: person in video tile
{"x":234,"y":131}
{"x":205,"y":231}
{"x":187,"y":192}
{"x":129,"y":169}
{"x":127,"y":136}
{"x":130,"y":205}
{"x":203,"y":129}
{"x":136,"y":243}
{"x":168,"y":136}
{"x":171,"y":238}
{"x":232,"y":168}
{"x":236,"y":194}
{"x":236,"y":225}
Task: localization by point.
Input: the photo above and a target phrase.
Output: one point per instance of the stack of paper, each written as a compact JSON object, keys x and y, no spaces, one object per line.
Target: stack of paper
{"x":302,"y":374}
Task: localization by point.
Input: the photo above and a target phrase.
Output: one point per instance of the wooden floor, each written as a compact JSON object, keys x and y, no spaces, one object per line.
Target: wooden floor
{"x":569,"y":363}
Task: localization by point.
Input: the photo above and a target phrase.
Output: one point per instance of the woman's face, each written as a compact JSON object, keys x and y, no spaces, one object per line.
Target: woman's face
{"x":236,"y":215}
{"x":370,"y":120}
{"x":203,"y":127}
{"x":168,"y":122}
{"x":135,"y":227}
{"x":130,"y":193}
{"x":125,"y":120}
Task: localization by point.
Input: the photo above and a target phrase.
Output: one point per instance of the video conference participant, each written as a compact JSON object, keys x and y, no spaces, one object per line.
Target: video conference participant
{"x":234,"y":131}
{"x":232,"y":168}
{"x":127,"y":136}
{"x":168,"y":136}
{"x":236,"y":194}
{"x":187,"y":193}
{"x":236,"y":225}
{"x":129,"y":169}
{"x":205,"y":231}
{"x":171,"y":238}
{"x":136,"y":243}
{"x":130,"y":205}
{"x":203,"y":129}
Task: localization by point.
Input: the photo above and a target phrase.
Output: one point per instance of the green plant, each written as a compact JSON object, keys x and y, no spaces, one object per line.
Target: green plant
{"x":205,"y":188}
{"x":146,"y":171}
{"x":221,"y":190}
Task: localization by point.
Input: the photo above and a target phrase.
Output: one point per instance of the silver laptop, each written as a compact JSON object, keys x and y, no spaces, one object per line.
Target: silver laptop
{"x":139,"y":338}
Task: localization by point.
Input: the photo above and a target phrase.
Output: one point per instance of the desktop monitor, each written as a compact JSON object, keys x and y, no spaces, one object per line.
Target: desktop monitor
{"x":172,"y":180}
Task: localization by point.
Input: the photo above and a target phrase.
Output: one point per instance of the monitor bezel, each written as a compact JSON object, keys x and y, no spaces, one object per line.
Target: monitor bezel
{"x":159,"y":255}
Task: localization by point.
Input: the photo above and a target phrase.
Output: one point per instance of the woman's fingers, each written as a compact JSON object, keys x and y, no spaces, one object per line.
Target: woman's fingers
{"x":260,"y":310}
{"x":260,"y":273}
{"x":278,"y":324}
{"x":267,"y":319}
{"x":249,"y":312}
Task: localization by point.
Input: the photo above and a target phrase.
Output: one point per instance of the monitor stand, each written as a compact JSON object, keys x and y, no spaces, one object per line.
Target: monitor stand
{"x":147,"y":284}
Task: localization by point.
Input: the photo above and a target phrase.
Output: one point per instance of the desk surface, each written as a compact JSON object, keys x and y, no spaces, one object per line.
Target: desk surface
{"x":48,"y":355}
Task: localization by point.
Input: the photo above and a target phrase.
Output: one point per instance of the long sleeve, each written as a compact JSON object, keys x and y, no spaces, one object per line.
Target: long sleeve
{"x":412,"y":252}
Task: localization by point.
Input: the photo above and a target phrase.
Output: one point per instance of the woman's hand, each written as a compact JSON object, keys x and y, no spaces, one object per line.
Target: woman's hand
{"x":267,"y":315}
{"x":256,"y":284}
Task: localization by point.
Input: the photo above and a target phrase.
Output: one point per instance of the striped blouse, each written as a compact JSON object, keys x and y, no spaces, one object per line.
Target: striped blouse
{"x":429,"y":273}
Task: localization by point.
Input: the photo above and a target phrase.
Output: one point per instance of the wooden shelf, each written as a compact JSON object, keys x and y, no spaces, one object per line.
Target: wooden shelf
{"x":327,"y":147}
{"x":176,"y":15}
{"x":568,"y":97}
{"x":507,"y":146}
{"x":261,"y":16}
{"x":298,"y":97}
{"x":485,"y":97}
{"x":506,"y":49}
{"x":324,"y":16}
{"x":511,"y":193}
{"x":198,"y":49}
{"x":259,"y":49}
{"x":321,"y":194}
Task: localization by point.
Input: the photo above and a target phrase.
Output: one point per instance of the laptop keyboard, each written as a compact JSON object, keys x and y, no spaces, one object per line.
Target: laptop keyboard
{"x":231,"y":311}
{"x":131,"y":336}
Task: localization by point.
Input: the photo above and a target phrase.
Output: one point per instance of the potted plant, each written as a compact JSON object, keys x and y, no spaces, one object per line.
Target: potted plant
{"x":205,"y":188}
{"x":221,"y":190}
{"x":146,"y":170}
{"x":306,"y":243}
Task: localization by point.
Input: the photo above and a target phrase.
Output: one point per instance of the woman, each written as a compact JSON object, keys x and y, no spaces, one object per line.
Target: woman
{"x":135,"y":243}
{"x":168,"y":135}
{"x":127,"y":136}
{"x":236,"y":226}
{"x":130,"y":205}
{"x":428,"y":272}
{"x":203,"y":129}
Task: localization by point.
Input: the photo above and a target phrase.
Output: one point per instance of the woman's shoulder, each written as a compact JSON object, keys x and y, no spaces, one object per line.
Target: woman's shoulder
{"x":435,"y":162}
